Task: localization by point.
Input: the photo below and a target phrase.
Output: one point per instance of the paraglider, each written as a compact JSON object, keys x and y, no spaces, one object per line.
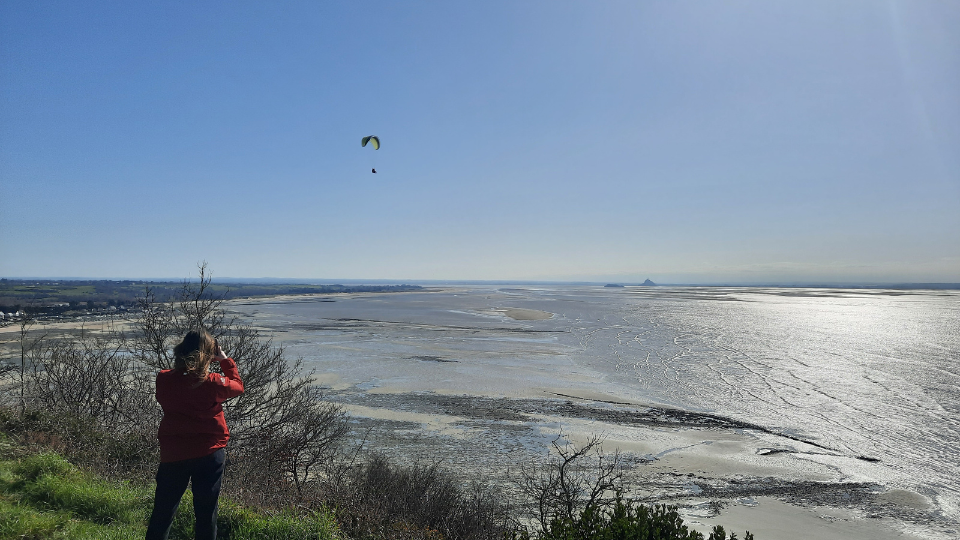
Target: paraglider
{"x":373,"y":139}
{"x":375,"y":143}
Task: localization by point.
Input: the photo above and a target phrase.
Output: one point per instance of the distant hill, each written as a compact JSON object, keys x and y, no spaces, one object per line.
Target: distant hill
{"x":648,"y":283}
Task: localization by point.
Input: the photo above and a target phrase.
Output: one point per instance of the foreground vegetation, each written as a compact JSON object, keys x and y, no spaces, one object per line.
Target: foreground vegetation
{"x":42,"y":495}
{"x":79,"y":423}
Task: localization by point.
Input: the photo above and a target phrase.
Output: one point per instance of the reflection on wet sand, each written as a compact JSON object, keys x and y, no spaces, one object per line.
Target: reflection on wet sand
{"x":816,"y":397}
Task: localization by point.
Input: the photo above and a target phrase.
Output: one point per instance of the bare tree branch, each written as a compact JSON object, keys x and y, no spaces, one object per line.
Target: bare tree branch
{"x":567,"y":485}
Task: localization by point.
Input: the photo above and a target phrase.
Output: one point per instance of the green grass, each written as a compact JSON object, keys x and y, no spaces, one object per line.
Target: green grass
{"x":47,"y":481}
{"x":238,"y":522}
{"x":43,"y":496}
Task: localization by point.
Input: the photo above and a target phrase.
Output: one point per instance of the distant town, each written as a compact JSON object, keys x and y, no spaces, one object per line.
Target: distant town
{"x":21,"y":298}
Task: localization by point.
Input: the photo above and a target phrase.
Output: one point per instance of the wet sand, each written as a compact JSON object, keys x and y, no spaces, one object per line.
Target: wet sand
{"x":470,"y":380}
{"x":764,"y":482}
{"x":520,"y":314}
{"x":769,"y":518}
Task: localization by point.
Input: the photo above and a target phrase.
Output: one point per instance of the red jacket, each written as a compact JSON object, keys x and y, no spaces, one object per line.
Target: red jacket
{"x":193,"y":424}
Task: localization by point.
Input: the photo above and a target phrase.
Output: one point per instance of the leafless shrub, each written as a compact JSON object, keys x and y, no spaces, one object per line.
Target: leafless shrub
{"x":281,"y":429}
{"x":6,"y":367}
{"x":86,"y":397}
{"x":30,"y":345}
{"x":91,"y":377}
{"x":379,"y":497}
{"x":159,"y":325}
{"x":155,"y":329}
{"x":577,"y":477}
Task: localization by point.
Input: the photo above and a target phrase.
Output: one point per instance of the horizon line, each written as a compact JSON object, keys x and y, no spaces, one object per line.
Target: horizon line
{"x":329,"y":281}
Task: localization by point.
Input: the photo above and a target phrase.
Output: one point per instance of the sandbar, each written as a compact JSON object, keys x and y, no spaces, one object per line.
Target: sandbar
{"x":522,"y":314}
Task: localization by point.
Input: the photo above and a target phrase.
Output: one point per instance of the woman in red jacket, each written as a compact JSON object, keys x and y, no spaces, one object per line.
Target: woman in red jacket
{"x":193,"y":433}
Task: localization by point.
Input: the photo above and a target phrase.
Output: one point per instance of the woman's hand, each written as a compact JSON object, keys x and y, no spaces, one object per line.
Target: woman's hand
{"x":219,"y":355}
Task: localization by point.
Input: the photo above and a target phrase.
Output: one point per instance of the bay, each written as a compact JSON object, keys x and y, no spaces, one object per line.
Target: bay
{"x":860,"y":383}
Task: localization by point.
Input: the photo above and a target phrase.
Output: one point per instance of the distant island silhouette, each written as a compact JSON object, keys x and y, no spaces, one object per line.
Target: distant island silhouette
{"x":646,"y":282}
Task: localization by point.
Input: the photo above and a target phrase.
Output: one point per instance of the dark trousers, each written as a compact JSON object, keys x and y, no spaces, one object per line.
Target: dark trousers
{"x":172,"y":478}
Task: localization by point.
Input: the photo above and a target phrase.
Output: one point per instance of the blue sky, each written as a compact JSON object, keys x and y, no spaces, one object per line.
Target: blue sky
{"x":687,"y":141}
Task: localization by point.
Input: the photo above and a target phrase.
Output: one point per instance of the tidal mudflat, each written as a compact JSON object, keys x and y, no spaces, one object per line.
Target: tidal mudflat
{"x":798,"y":409}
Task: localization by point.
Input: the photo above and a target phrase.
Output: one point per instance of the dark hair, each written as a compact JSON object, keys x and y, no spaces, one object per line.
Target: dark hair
{"x":193,"y":354}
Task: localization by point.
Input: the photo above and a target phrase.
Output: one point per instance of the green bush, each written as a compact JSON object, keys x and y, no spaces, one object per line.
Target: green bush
{"x":626,"y":521}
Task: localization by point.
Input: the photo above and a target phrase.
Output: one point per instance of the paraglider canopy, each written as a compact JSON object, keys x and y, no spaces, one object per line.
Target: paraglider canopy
{"x":372,"y":139}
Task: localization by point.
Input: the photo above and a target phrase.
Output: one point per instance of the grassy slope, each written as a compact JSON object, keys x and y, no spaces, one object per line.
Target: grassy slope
{"x":44,"y":496}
